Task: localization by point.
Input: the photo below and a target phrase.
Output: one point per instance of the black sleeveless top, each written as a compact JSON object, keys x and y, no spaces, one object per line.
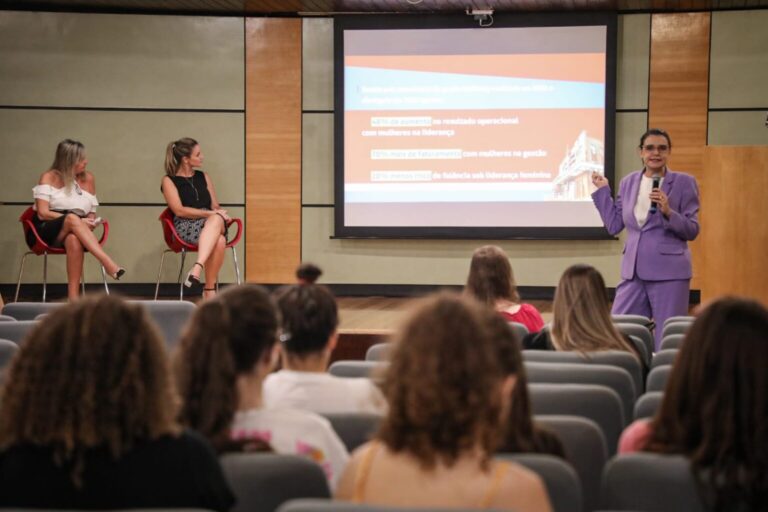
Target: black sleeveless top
{"x":193,"y":191}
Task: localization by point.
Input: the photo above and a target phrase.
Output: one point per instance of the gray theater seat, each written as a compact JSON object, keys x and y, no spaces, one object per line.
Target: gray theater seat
{"x":597,"y":403}
{"x":647,"y":481}
{"x":264,"y":481}
{"x":29,"y":310}
{"x":585,"y":448}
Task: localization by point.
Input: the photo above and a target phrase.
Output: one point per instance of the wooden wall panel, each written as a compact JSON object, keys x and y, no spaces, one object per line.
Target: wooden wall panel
{"x":273,"y":148}
{"x":735,"y":238}
{"x":678,"y":93}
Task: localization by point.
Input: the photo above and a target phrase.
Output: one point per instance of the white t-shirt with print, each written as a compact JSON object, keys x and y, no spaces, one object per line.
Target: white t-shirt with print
{"x":322,"y":393}
{"x":293,"y":432}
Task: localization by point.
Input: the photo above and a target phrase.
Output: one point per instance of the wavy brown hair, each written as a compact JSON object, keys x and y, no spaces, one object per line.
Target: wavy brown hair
{"x":444,"y":383}
{"x":491,"y":277}
{"x":522,"y":435}
{"x":94,"y":373}
{"x":582,"y":314}
{"x":225,"y":338}
{"x":715,"y":409}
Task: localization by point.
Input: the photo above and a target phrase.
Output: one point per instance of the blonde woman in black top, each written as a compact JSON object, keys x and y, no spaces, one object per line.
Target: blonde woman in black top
{"x":199,"y":218}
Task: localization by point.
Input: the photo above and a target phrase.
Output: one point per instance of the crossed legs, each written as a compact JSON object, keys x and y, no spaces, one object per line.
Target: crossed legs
{"x":210,"y":253}
{"x":76,"y":237}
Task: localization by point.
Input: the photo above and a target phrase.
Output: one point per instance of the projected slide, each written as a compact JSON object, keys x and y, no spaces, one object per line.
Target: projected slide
{"x":473,"y":127}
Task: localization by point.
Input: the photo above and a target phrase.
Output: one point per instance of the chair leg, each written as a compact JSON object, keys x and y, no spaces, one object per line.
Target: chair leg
{"x":45,"y":274}
{"x":104,"y":278}
{"x":21,"y":271}
{"x":237,"y":268}
{"x":159,"y":272}
{"x":181,"y":271}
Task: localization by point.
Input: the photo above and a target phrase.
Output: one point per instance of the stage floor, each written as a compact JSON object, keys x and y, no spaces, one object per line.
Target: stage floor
{"x":381,"y":315}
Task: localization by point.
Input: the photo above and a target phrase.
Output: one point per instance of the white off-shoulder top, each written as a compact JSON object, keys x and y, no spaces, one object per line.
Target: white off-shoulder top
{"x":75,"y":199}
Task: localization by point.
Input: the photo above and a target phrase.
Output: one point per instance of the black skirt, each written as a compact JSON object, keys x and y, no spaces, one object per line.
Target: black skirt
{"x":47,"y":230}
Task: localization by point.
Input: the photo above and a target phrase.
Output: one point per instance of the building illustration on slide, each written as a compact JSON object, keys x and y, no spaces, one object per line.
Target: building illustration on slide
{"x":573,"y":181}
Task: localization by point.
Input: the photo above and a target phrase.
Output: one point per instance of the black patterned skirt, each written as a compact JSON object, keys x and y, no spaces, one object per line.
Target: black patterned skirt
{"x":189,"y":229}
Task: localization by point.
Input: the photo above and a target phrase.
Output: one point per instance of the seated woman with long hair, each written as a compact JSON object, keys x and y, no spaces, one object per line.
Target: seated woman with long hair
{"x":492,"y":282}
{"x":715,"y":408}
{"x":522,"y":434}
{"x":228,"y":349}
{"x":88,"y":418}
{"x":448,"y":397}
{"x":198,"y":217}
{"x":581,"y":317}
{"x":65,"y":206}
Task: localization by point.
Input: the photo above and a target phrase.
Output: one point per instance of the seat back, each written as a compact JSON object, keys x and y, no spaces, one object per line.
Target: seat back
{"x":664,"y":357}
{"x":657,"y":379}
{"x":680,"y":327}
{"x":30,"y":235}
{"x":378,"y":352}
{"x":29,"y":310}
{"x":7,"y":318}
{"x":520,"y":330}
{"x":672,"y":341}
{"x":16,"y":331}
{"x":264,"y":481}
{"x":641,"y":332}
{"x":585,"y":449}
{"x":633,"y":319}
{"x":597,"y":403}
{"x":679,"y":318}
{"x":170,"y":235}
{"x":647,"y":405}
{"x":648,"y":481}
{"x":559,"y":477}
{"x":354,"y":428}
{"x":356,"y":368}
{"x":170,"y":316}
{"x":8,"y":349}
{"x":617,"y":358}
{"x":315,"y":505}
{"x":617,"y":379}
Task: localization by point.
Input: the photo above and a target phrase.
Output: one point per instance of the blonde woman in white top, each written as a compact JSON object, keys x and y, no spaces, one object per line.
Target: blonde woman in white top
{"x":65,"y":202}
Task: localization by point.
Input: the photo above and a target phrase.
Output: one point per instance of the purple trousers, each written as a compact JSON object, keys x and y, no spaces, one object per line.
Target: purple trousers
{"x":658,"y":300}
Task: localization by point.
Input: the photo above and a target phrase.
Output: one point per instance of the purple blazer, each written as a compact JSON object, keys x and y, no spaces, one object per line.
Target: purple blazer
{"x":659,"y":250}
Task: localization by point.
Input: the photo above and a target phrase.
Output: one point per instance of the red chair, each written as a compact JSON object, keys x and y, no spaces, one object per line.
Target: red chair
{"x":177,"y":245}
{"x":40,"y":247}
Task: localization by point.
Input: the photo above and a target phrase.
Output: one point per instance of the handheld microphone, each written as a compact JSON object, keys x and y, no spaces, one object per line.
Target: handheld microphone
{"x":654,"y":205}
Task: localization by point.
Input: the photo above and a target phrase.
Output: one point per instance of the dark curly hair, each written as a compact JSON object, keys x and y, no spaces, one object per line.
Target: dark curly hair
{"x":522,"y":435}
{"x":225,"y":338}
{"x":715,"y":409}
{"x":444,"y":383}
{"x":490,"y":276}
{"x":309,"y":317}
{"x":93,"y":373}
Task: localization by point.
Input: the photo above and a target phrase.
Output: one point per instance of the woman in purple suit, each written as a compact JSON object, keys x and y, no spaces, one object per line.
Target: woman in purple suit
{"x":659,"y":209}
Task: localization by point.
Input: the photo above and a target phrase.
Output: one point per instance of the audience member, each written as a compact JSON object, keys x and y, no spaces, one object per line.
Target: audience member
{"x":88,"y":419}
{"x":65,"y":206}
{"x":715,"y":408}
{"x":582,"y":317}
{"x":226,"y":352}
{"x":448,"y":398}
{"x":491,"y":281}
{"x":308,"y":273}
{"x":198,"y":217}
{"x":309,"y":322}
{"x":522,"y":435}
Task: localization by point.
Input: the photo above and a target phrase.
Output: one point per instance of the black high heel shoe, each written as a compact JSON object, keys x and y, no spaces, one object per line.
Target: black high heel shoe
{"x":191,"y":278}
{"x":120,"y":272}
